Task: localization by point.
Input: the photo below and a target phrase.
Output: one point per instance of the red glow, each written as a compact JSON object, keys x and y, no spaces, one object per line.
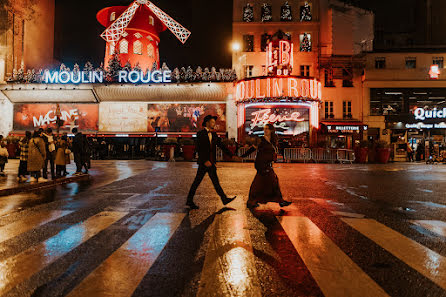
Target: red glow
{"x":265,"y":117}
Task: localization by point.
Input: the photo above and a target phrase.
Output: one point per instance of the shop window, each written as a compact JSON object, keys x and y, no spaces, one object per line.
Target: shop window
{"x":305,"y":42}
{"x":248,"y":13}
{"x":151,"y":20}
{"x":249,"y":69}
{"x":285,"y":13}
{"x":137,"y":47}
{"x":380,"y":63}
{"x":386,"y":102}
{"x":305,"y":12}
{"x":411,"y":63}
{"x":267,"y":13}
{"x":264,"y":42}
{"x":438,"y":61}
{"x":248,"y":43}
{"x":305,"y":70}
{"x":328,"y":75}
{"x":347,"y":78}
{"x":124,"y":47}
{"x":347,"y":109}
{"x":112,"y":16}
{"x":151,"y":51}
{"x":328,"y":110}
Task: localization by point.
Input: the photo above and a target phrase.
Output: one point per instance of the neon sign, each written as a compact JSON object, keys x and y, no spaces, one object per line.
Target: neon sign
{"x":434,"y":72}
{"x":84,"y":77}
{"x":265,"y":116}
{"x":422,"y":114}
{"x":280,"y":57}
{"x":278,"y":87}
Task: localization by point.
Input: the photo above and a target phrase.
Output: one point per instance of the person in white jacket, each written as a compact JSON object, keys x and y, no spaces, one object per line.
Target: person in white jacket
{"x":3,"y":158}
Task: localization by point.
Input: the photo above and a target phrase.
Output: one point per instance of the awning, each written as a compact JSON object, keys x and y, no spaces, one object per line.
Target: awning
{"x":343,"y":123}
{"x":344,"y":126}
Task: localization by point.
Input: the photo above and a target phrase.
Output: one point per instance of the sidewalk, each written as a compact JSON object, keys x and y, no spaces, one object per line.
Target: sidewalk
{"x":9,"y":184}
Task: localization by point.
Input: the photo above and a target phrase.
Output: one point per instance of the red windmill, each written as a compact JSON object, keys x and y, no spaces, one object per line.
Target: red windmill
{"x":133,"y":32}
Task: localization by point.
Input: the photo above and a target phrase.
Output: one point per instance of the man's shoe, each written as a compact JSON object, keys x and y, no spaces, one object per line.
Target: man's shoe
{"x":284,"y":203}
{"x":192,"y":205}
{"x":228,"y":200}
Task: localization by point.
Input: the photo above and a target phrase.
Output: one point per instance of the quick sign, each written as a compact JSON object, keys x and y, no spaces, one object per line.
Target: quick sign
{"x":422,"y":114}
{"x":85,"y":77}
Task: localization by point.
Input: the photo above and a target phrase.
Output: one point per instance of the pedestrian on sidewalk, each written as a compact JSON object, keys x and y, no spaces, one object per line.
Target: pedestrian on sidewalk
{"x":86,"y":153}
{"x":3,"y":157}
{"x":50,"y":147}
{"x":23,"y":166}
{"x":61,"y":156}
{"x":77,"y":148}
{"x":207,"y":142}
{"x":36,"y":157}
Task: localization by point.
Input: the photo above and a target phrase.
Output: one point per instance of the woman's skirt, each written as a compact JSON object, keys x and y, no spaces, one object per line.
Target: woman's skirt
{"x":265,"y":188}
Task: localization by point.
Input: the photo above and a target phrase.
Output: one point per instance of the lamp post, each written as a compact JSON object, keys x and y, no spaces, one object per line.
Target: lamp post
{"x":236,"y":49}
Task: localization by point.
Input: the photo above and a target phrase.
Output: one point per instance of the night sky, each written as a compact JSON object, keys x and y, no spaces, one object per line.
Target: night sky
{"x":77,"y":32}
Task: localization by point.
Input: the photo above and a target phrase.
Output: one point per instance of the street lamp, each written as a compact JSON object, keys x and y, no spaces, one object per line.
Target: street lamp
{"x":236,"y":47}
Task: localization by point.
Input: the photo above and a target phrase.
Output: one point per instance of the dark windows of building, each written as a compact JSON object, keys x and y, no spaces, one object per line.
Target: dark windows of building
{"x":264,"y":42}
{"x":380,"y":63}
{"x":347,"y":109}
{"x":305,"y":70}
{"x":305,"y":42}
{"x":328,"y":110}
{"x":386,"y":102}
{"x":285,"y":13}
{"x":438,"y":61}
{"x":249,"y":70}
{"x":248,"y":43}
{"x":305,"y":12}
{"x":347,"y":77}
{"x":411,"y":63}
{"x":328,"y":75}
{"x":267,"y":13}
{"x":248,"y":13}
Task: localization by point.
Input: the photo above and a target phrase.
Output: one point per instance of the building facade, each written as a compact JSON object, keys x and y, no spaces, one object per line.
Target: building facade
{"x":405,"y":99}
{"x":329,"y":40}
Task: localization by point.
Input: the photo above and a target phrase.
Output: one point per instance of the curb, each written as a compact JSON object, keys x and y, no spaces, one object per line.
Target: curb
{"x":44,"y":185}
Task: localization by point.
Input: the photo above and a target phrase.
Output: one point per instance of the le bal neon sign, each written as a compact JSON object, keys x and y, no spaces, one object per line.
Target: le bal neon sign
{"x":280,"y":57}
{"x":267,"y":87}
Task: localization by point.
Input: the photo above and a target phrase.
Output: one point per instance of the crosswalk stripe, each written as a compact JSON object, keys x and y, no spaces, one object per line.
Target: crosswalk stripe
{"x":335,"y":273}
{"x":229,"y":266}
{"x":426,"y":261}
{"x":18,"y":268}
{"x":437,"y":227}
{"x":30,"y":222}
{"x":120,"y":274}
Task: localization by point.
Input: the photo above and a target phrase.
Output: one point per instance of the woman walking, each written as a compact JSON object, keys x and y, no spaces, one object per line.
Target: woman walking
{"x":36,"y":157}
{"x":265,"y":187}
{"x":62,"y":156}
{"x":23,"y":165}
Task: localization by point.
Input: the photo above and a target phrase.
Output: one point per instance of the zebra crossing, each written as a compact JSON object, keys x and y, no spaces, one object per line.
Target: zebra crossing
{"x":230,"y":263}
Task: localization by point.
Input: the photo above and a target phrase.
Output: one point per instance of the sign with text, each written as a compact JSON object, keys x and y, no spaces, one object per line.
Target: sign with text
{"x":29,"y":117}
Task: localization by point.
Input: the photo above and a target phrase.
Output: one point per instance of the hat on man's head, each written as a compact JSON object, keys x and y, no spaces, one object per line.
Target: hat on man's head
{"x":208,"y":118}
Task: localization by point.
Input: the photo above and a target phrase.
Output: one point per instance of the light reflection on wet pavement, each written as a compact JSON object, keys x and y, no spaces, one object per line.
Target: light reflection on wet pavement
{"x":352,"y":230}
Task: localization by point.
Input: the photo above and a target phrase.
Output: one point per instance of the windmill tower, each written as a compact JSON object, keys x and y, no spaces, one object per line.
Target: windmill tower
{"x":133,"y":32}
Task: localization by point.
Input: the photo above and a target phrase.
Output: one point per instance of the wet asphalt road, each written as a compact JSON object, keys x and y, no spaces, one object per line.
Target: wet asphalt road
{"x":352,"y":230}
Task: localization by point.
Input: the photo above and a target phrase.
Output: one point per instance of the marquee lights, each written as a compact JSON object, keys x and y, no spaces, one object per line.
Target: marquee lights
{"x":66,"y":77}
{"x":267,"y":87}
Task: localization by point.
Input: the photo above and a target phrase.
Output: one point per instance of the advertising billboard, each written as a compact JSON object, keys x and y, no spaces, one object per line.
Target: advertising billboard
{"x":179,"y":117}
{"x":288,"y":120}
{"x":123,"y":117}
{"x":29,"y":117}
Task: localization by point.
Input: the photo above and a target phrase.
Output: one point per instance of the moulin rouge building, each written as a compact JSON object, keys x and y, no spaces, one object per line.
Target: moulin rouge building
{"x":299,"y":66}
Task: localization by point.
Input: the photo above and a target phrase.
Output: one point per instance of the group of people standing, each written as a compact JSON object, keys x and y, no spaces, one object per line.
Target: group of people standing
{"x":43,"y":153}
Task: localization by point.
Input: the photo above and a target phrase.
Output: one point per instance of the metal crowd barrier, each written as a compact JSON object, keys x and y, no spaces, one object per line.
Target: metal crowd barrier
{"x":297,"y":154}
{"x":322,"y":155}
{"x":250,"y":157}
{"x":219,"y":155}
{"x":346,"y":156}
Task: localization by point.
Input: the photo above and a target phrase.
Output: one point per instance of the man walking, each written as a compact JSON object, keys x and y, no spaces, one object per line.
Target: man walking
{"x":207,"y":142}
{"x":77,"y":148}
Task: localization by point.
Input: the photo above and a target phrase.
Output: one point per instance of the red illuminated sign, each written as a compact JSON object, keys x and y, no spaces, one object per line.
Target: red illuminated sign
{"x":267,"y":87}
{"x":265,"y":116}
{"x":280,"y":57}
{"x":434,"y":72}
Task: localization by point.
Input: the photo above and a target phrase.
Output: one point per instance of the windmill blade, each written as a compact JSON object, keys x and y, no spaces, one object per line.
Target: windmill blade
{"x":114,"y":32}
{"x":178,"y":30}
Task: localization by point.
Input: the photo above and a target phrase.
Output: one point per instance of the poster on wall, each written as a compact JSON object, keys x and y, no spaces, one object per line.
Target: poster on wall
{"x":29,"y":117}
{"x":287,"y":120}
{"x":181,"y":117}
{"x":123,"y":117}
